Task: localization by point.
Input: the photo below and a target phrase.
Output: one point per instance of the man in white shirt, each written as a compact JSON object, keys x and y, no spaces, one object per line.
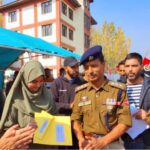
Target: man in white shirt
{"x":138,"y":89}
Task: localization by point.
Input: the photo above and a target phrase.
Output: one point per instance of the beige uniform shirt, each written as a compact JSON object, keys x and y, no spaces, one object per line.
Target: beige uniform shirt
{"x":91,"y":106}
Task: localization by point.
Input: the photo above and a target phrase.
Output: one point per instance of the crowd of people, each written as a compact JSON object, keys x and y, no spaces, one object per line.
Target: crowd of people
{"x":100,"y":109}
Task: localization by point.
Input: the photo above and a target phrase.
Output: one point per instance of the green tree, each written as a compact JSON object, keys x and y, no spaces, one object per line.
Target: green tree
{"x":115,"y":44}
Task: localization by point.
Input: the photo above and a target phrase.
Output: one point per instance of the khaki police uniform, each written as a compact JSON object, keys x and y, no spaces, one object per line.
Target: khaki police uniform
{"x":98,"y":109}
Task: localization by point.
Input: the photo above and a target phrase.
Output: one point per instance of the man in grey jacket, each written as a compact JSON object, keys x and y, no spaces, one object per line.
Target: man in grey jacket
{"x":63,"y":88}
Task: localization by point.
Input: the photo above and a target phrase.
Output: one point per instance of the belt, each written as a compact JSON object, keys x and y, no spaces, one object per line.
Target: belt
{"x":97,"y":135}
{"x":101,"y":135}
{"x":93,"y":134}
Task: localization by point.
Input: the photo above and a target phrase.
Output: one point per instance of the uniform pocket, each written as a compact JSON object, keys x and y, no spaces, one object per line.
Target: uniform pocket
{"x":86,"y":108}
{"x":112,"y":120}
{"x":109,"y":119}
{"x":87,"y":113}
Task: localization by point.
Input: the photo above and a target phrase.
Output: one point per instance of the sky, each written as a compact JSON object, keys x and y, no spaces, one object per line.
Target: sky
{"x":133,"y":16}
{"x":8,"y":1}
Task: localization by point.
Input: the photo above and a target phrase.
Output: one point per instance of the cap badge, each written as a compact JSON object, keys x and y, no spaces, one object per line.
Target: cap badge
{"x":91,"y":58}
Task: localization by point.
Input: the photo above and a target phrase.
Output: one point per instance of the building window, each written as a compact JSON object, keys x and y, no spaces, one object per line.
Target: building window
{"x":12,"y":16}
{"x":87,"y":23}
{"x":47,"y":30}
{"x":64,"y":30}
{"x":71,"y":34}
{"x":71,"y":14}
{"x":86,"y":41}
{"x":46,"y":7}
{"x":64,"y":8}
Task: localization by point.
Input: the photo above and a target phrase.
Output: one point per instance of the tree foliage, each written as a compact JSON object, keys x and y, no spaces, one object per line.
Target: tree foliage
{"x":115,"y":44}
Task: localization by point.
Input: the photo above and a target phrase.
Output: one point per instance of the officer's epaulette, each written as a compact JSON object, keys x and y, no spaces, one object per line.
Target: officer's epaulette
{"x":118,"y":85}
{"x":81,"y":87}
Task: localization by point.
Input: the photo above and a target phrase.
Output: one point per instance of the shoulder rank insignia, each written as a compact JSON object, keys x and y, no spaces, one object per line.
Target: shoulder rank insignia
{"x":118,"y":85}
{"x":81,"y":87}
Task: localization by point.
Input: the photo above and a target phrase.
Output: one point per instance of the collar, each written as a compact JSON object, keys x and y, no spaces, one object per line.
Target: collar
{"x":104,"y":86}
{"x":139,"y":81}
{"x":71,"y":81}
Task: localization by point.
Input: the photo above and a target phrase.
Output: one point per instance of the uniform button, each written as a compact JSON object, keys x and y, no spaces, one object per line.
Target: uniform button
{"x":97,"y":95}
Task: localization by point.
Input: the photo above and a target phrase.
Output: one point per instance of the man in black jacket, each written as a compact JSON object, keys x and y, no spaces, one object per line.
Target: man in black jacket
{"x":138,"y":88}
{"x":63,"y":88}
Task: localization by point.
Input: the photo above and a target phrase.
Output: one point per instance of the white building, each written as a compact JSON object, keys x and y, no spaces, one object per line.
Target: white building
{"x":65,"y":23}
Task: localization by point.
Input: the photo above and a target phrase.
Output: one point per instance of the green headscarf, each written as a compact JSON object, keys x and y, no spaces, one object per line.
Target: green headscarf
{"x":22,"y":98}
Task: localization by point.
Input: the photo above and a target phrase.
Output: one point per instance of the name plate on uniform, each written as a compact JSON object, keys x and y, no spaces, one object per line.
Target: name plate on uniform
{"x":84,"y":103}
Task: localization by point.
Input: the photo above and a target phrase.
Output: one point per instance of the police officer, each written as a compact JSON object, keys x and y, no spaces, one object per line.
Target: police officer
{"x":99,"y":117}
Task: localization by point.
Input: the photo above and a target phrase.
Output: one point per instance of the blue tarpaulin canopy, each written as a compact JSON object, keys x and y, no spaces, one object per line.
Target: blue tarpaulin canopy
{"x":13,"y":44}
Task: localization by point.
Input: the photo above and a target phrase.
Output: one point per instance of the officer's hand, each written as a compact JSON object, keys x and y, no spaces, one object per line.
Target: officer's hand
{"x":140,"y":114}
{"x":82,"y":143}
{"x":95,"y":143}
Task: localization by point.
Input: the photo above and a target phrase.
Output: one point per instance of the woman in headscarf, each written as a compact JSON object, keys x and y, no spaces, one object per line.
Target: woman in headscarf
{"x":27,"y":95}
